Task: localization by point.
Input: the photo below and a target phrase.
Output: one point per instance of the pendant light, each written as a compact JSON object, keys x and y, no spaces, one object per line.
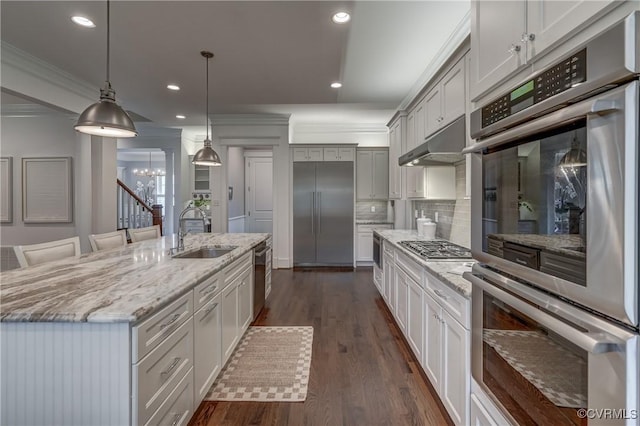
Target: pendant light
{"x":207,"y":156}
{"x":575,"y":157}
{"x":106,"y":117}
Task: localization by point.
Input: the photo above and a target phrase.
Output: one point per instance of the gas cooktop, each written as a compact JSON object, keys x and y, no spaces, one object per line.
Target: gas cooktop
{"x":437,"y":250}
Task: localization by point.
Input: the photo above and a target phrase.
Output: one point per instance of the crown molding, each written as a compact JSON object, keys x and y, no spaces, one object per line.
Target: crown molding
{"x":32,"y":110}
{"x":26,"y":64}
{"x":250,"y":119}
{"x":453,"y":43}
{"x":331,"y":128}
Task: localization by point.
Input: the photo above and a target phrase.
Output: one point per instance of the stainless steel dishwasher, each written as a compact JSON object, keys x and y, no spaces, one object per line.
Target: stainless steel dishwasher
{"x":259,"y":277}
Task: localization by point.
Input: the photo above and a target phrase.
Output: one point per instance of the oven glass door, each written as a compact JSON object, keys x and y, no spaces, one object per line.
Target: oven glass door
{"x":535,"y":203}
{"x":537,"y":376}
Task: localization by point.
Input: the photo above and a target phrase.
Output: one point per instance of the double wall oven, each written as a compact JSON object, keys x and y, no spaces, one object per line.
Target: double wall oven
{"x":555,"y":293}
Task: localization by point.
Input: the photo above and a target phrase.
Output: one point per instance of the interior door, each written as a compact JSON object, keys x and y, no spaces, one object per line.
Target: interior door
{"x":334,"y":204}
{"x":259,"y":194}
{"x":304,"y":189}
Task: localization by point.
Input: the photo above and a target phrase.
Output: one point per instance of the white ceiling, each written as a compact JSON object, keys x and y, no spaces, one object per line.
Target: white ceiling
{"x":270,"y":57}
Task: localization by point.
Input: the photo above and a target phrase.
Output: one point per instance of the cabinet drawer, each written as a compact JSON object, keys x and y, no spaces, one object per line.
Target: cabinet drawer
{"x":148,"y":334}
{"x":455,"y":304}
{"x":388,"y":248}
{"x":157,"y":375}
{"x":412,"y":269}
{"x":178,"y":408}
{"x":237,"y":268}
{"x":206,"y":290}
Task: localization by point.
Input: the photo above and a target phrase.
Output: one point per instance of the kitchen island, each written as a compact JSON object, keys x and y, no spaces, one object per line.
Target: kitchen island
{"x":129,"y":335}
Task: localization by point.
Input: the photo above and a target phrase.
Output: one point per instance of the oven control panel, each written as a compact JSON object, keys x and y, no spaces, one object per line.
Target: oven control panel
{"x":555,"y":79}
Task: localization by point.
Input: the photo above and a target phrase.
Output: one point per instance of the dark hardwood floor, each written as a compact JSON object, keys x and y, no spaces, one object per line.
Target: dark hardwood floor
{"x":362,"y":370}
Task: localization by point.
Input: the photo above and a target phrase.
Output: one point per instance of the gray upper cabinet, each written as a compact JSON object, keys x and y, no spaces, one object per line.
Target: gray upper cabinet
{"x":308,"y":154}
{"x":339,"y":154}
{"x":396,"y":146}
{"x":323,"y":153}
{"x":508,"y":34}
{"x":372,"y":174}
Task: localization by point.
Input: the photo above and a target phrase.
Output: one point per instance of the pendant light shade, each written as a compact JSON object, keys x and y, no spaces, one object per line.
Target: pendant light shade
{"x":575,"y":157}
{"x":106,"y":117}
{"x":206,"y":156}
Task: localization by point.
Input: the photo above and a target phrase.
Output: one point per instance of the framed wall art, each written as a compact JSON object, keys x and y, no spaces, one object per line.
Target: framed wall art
{"x":6,"y":189}
{"x":47,"y":190}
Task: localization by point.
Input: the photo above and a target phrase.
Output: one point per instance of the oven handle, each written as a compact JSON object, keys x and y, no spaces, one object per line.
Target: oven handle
{"x":547,"y":122}
{"x":595,"y":343}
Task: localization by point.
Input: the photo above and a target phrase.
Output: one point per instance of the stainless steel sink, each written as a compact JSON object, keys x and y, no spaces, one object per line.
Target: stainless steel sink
{"x":205,"y":253}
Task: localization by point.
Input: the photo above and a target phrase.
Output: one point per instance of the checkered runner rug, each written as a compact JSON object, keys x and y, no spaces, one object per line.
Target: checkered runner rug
{"x":269,"y":364}
{"x":552,"y":369}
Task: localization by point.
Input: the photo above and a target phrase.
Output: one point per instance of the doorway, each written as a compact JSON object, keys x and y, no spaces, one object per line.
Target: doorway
{"x":250,"y":189}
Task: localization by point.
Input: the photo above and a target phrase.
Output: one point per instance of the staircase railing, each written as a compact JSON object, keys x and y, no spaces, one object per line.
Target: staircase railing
{"x":133,"y":212}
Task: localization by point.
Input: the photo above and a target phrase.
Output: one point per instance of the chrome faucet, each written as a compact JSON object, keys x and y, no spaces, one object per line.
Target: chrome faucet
{"x":181,"y":232}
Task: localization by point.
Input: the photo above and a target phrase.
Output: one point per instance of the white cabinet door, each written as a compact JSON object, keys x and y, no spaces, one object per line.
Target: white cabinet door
{"x":496,"y":50}
{"x":346,"y":154}
{"x":364,"y":247}
{"x":415,"y":330}
{"x":245,"y":301}
{"x":433,"y":110}
{"x":364,"y":172}
{"x":380,"y":175}
{"x":395,"y":150}
{"x":453,"y":93}
{"x":432,"y":341}
{"x":420,"y":114}
{"x":207,"y":347}
{"x":402,"y":299}
{"x":331,"y":154}
{"x":389,"y":281}
{"x":300,"y":154}
{"x":549,"y":21}
{"x":316,"y":154}
{"x":410,"y":140}
{"x":478,"y":414}
{"x":229,"y":320}
{"x":456,"y":342}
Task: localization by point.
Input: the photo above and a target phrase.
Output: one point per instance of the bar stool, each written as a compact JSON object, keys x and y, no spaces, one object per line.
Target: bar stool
{"x":141,"y":234}
{"x":108,"y":240}
{"x":36,"y":254}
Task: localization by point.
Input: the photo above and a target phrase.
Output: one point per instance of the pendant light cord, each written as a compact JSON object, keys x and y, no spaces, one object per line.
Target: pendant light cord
{"x":108,"y":34}
{"x":207,"y":117}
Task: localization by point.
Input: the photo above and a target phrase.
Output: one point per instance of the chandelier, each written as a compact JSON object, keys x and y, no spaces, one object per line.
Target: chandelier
{"x":149,"y":172}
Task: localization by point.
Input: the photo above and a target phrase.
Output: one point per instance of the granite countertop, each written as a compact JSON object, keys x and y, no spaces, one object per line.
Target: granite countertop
{"x":123,"y":284}
{"x":373,"y":222}
{"x":450,"y":271}
{"x":553,"y":243}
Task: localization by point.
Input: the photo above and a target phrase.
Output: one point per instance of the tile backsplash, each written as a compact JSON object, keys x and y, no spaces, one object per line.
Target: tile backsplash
{"x":454,"y":217}
{"x":363,"y":210}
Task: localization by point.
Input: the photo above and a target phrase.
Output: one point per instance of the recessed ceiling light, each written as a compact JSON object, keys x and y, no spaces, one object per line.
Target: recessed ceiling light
{"x":181,"y":117}
{"x":173,"y":87}
{"x":336,"y":85}
{"x":341,"y":17}
{"x":82,"y":21}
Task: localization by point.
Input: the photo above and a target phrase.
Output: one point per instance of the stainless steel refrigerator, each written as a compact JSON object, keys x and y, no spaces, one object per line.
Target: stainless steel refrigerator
{"x":323,"y":213}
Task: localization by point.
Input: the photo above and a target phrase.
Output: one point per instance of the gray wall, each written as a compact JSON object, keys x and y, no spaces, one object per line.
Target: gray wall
{"x":235,"y":179}
{"x":43,"y":136}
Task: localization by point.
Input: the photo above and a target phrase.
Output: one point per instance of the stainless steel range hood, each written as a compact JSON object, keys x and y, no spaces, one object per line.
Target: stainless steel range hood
{"x":444,"y":146}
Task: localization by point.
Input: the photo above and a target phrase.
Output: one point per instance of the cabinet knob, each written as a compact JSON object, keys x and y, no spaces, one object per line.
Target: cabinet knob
{"x":526,"y":37}
{"x":515,"y":48}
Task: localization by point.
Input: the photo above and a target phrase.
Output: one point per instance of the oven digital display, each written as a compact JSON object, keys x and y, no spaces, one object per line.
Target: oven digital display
{"x":522,"y":90}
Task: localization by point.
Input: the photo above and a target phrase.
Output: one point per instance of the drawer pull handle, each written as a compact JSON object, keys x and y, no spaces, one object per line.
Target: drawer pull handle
{"x":209,"y":290}
{"x":440,"y":294}
{"x":173,"y":319}
{"x":176,"y":419}
{"x":166,"y":373}
{"x":208,"y":311}
{"x":522,"y":262}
